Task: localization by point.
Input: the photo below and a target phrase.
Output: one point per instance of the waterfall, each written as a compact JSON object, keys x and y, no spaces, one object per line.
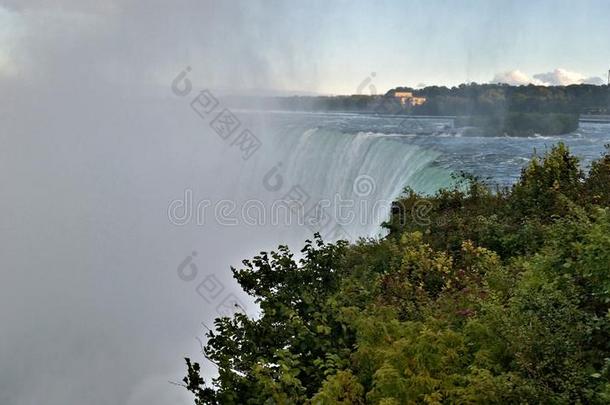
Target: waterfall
{"x":362,"y":171}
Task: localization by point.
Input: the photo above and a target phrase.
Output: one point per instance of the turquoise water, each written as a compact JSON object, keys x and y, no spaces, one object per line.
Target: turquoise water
{"x":498,"y":159}
{"x":369,"y":160}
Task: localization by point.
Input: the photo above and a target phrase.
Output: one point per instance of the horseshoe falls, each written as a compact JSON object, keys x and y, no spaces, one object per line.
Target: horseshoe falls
{"x":345,"y":177}
{"x":363,"y":162}
{"x":365,"y":170}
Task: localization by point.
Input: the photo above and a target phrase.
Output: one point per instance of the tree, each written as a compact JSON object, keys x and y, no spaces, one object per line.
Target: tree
{"x":502,"y":297}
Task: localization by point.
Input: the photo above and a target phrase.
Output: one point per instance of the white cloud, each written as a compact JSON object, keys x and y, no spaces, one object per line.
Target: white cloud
{"x":562,"y":77}
{"x":595,"y":80}
{"x":515,"y":78}
{"x":556,"y":77}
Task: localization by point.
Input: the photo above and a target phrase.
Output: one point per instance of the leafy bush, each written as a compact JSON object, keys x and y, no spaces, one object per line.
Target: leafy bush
{"x":521,"y":123}
{"x":503,"y":297}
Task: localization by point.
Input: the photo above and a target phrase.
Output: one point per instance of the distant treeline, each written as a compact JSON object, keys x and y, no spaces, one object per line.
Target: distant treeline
{"x":493,"y":98}
{"x":466,"y":99}
{"x":519,"y":124}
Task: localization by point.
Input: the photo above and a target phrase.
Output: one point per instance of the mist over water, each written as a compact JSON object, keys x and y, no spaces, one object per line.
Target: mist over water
{"x":365,"y":170}
{"x":102,"y":292}
{"x":94,"y":298}
{"x":97,"y":310}
{"x":92,"y":293}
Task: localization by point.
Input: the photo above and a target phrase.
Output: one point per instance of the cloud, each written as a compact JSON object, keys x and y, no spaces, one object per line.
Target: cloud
{"x":10,"y":32}
{"x":562,"y":77}
{"x":556,"y":77}
{"x":515,"y":78}
{"x":93,"y":280}
{"x":598,"y":81}
{"x":129,"y":43}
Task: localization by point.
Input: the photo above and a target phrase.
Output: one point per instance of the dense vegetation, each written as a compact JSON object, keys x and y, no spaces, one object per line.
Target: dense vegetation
{"x":496,"y":296}
{"x":519,"y":124}
{"x":489,"y":99}
{"x":499,"y":108}
{"x":467,"y":99}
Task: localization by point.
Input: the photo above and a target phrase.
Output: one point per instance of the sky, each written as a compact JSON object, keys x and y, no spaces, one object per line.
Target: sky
{"x":327,"y":47}
{"x":94,"y":145}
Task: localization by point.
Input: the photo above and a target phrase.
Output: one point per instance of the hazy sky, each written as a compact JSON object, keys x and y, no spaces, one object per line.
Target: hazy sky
{"x":317,"y":46}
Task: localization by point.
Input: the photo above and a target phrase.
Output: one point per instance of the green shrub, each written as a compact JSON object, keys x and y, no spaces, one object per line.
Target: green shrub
{"x":498,"y":297}
{"x":520,"y":123}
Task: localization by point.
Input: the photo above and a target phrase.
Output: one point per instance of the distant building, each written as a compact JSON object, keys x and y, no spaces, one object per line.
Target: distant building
{"x":407,"y":98}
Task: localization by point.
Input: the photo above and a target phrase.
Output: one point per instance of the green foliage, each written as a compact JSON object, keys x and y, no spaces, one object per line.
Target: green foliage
{"x":498,"y":297}
{"x":468,"y":99}
{"x":597,"y":190}
{"x":520,"y":123}
{"x":548,"y":187}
